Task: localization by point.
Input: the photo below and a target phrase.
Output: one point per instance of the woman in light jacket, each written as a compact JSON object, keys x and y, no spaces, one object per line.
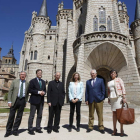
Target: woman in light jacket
{"x":116,"y":95}
{"x":75,"y":97}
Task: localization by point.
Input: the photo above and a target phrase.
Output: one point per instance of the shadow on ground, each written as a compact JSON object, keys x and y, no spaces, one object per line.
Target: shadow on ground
{"x":85,"y":126}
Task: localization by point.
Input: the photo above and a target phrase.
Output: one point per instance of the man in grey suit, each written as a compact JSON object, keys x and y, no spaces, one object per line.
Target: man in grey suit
{"x":17,"y":98}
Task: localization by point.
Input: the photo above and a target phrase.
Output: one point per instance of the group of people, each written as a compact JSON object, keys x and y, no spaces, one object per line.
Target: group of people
{"x":94,"y":98}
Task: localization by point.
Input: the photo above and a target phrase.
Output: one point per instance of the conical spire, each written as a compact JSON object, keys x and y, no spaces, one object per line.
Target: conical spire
{"x":137,"y":12}
{"x":11,"y":47}
{"x":43,"y":10}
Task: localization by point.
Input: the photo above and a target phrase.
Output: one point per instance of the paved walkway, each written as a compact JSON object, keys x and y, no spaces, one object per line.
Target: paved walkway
{"x":132,"y":131}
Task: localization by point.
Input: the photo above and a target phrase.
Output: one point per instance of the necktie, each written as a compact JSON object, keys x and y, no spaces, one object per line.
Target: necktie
{"x":40,"y":84}
{"x":21,"y":90}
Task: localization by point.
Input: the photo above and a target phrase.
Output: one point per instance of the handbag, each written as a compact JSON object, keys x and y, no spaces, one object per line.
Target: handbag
{"x":125,"y":115}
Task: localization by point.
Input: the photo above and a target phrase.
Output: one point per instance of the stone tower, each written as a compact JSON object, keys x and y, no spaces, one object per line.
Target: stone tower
{"x":9,"y":63}
{"x":35,"y":49}
{"x":135,"y":26}
{"x":103,"y":42}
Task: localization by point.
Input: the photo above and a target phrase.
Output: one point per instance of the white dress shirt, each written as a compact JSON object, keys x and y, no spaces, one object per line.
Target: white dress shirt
{"x":23,"y":88}
{"x":38,"y":83}
{"x":93,"y":80}
{"x":75,"y":90}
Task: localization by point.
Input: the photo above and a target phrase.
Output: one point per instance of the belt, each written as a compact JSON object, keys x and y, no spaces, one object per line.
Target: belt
{"x":21,"y":98}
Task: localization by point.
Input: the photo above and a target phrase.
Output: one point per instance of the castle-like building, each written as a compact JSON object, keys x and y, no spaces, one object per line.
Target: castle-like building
{"x":94,"y":34}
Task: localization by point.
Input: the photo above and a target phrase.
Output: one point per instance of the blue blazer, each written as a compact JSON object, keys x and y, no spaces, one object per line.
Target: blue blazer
{"x":79,"y":91}
{"x":95,"y":93}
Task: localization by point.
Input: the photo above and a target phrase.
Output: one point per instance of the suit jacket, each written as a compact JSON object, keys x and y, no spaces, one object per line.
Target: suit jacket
{"x":95,"y":93}
{"x":14,"y":89}
{"x":55,"y":94}
{"x":79,"y":91}
{"x":34,"y":87}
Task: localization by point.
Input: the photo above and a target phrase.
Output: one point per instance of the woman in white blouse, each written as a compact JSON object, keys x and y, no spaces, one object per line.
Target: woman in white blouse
{"x":75,"y":97}
{"x":116,"y":95}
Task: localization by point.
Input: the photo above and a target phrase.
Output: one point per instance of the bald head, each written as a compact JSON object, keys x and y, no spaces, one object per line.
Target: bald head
{"x":57,"y":76}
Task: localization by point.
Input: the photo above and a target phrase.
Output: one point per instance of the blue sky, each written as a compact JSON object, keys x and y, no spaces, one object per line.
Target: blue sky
{"x":15,"y":19}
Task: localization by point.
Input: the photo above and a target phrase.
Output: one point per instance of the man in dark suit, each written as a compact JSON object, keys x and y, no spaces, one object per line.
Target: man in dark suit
{"x":94,"y":96}
{"x":55,"y":100}
{"x":17,"y":98}
{"x":37,"y":88}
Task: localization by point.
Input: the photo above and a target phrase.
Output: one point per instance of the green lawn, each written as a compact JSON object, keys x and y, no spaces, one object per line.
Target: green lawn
{"x":6,"y":110}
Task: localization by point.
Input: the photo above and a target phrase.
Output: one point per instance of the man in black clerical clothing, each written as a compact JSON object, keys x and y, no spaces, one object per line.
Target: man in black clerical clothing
{"x":55,"y":100}
{"x":37,"y":88}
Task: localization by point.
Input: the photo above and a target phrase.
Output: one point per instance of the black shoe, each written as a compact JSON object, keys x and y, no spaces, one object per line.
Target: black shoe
{"x":102,"y":131}
{"x":58,"y":127}
{"x":15,"y":133}
{"x":56,"y":130}
{"x":70,"y":129}
{"x":89,"y":130}
{"x":78,"y":129}
{"x":49,"y":131}
{"x":31,"y":132}
{"x":39,"y":131}
{"x":7,"y":134}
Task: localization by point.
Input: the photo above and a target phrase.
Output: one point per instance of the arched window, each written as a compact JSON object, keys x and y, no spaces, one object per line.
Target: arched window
{"x":31,"y":55}
{"x":48,"y":57}
{"x":9,"y":61}
{"x":102,"y":15}
{"x":102,"y":28}
{"x":95,"y":23}
{"x":80,"y":30}
{"x":26,"y":62}
{"x":6,"y":61}
{"x":35,"y":55}
{"x":50,"y":37}
{"x":109,"y":24}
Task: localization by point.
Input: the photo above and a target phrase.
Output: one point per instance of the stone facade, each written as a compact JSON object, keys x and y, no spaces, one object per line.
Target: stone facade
{"x":94,"y":34}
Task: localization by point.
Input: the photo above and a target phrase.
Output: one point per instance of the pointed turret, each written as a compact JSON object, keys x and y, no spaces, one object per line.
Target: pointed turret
{"x":43,"y":10}
{"x":137,"y":12}
{"x":11,"y":47}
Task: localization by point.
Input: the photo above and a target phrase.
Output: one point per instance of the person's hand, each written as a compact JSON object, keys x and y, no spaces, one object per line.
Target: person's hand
{"x":49,"y":104}
{"x":86,"y":102}
{"x":42,"y":93}
{"x":124,"y":100}
{"x":73,"y":101}
{"x":9,"y":104}
{"x":76,"y":100}
{"x":109,"y":102}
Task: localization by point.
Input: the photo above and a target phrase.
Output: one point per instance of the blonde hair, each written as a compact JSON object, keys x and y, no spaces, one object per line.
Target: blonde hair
{"x":79,"y":78}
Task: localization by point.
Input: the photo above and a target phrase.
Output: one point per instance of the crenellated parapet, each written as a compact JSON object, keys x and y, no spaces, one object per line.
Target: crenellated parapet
{"x":45,"y":20}
{"x":51,"y":32}
{"x":63,"y":14}
{"x":135,"y":27}
{"x":135,"y":24}
{"x":79,"y":3}
{"x":28,"y":36}
{"x":122,"y":11}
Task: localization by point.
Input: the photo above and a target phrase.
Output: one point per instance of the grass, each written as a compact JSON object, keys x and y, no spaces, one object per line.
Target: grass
{"x":7,"y":110}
